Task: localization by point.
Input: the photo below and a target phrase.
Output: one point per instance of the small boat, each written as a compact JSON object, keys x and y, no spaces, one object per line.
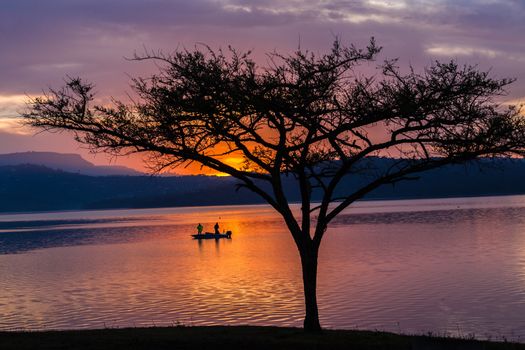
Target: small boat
{"x":211,"y":235}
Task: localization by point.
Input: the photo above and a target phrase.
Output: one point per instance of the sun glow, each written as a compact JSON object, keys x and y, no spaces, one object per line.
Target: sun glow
{"x":234,"y":161}
{"x":10,"y":107}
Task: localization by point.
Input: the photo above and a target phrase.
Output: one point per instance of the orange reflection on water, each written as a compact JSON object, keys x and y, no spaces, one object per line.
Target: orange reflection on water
{"x":414,"y":266}
{"x":248,"y":274}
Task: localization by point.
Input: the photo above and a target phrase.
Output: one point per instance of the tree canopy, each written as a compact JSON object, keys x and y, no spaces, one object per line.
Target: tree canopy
{"x":316,"y":117}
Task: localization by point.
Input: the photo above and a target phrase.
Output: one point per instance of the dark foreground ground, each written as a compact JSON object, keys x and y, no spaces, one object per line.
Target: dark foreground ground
{"x":241,"y":337}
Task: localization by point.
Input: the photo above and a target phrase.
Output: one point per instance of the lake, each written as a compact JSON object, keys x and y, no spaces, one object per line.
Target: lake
{"x":447,"y":266}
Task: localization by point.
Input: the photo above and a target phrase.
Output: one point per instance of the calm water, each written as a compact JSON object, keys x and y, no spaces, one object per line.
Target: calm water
{"x":445,"y":265}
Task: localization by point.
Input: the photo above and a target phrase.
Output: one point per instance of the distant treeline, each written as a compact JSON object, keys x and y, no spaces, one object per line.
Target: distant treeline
{"x":38,"y":188}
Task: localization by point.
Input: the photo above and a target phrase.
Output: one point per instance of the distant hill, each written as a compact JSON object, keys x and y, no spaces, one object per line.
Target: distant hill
{"x":69,"y":162}
{"x":38,"y":188}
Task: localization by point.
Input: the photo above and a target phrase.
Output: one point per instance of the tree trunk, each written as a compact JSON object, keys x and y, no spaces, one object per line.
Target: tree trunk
{"x":309,"y":267}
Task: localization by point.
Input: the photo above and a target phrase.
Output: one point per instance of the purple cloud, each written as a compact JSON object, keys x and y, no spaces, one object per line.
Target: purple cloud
{"x":43,"y":41}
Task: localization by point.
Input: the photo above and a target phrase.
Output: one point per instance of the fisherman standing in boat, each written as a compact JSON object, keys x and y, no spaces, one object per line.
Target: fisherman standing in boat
{"x":199,"y":229}
{"x":216,"y":227}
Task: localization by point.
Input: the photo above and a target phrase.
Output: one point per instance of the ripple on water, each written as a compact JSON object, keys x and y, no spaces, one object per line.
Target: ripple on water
{"x":439,"y":270}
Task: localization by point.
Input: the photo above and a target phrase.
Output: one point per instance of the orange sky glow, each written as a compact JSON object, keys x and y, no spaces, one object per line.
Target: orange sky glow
{"x":91,"y":39}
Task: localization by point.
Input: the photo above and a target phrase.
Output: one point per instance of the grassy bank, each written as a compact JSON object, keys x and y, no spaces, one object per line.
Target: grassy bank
{"x":239,"y":337}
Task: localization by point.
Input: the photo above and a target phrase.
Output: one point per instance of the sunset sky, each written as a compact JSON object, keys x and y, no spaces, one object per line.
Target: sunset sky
{"x":41,"y":42}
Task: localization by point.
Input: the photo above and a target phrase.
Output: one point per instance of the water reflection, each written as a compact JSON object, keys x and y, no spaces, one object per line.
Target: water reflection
{"x":450,"y":216}
{"x":33,"y":225}
{"x":425,"y":267}
{"x":25,"y":241}
{"x":23,"y":236}
{"x":205,"y":244}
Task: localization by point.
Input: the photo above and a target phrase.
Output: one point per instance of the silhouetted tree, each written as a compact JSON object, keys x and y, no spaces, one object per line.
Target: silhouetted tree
{"x":306,"y":115}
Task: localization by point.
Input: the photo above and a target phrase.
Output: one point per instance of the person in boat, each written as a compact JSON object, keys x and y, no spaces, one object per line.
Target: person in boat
{"x":199,"y":228}
{"x":216,"y":227}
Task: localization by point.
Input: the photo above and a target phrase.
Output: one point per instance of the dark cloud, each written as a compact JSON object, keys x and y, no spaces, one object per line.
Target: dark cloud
{"x":41,"y":41}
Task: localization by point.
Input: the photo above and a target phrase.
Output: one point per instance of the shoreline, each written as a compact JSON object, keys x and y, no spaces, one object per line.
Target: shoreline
{"x":235,"y":337}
